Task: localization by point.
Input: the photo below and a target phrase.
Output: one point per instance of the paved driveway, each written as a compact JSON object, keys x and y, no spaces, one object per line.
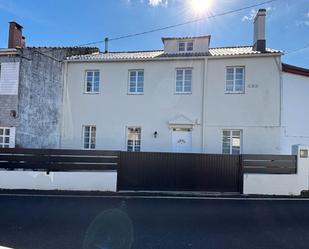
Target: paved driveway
{"x":28,"y":222}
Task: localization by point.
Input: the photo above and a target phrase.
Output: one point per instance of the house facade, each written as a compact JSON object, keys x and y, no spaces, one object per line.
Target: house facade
{"x":31,"y":88}
{"x":9,"y":78}
{"x":295,"y":118}
{"x":187,"y":97}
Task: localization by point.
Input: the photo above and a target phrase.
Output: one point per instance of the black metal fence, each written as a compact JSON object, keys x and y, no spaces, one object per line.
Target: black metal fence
{"x":179,"y":172}
{"x":59,"y":160}
{"x":154,"y":170}
{"x":270,"y":164}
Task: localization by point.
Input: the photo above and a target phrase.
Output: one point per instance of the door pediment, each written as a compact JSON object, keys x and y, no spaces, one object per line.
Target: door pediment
{"x":181,"y":121}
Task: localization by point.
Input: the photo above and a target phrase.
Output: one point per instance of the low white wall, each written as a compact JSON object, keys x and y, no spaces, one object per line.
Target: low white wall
{"x":280,"y":184}
{"x":88,"y":181}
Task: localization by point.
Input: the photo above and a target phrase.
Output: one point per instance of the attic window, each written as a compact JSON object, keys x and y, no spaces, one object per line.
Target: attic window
{"x":189,"y":46}
{"x":185,"y":46}
{"x":182,"y":46}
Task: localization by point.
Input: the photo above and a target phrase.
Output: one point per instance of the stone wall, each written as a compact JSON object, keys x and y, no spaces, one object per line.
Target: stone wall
{"x":40,"y":96}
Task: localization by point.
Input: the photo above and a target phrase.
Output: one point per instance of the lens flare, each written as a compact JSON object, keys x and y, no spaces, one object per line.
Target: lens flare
{"x":200,"y":6}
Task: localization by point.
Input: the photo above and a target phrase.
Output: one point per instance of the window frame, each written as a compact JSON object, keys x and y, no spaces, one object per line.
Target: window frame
{"x":183,"y":80}
{"x":231,"y":141}
{"x":127,"y":137}
{"x":90,"y":133}
{"x":185,"y":46}
{"x":234,"y":80}
{"x":85,"y":81}
{"x":11,"y":137}
{"x":136,"y":82}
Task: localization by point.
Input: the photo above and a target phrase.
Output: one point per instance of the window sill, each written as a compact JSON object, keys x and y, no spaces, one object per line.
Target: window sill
{"x":234,"y":92}
{"x":180,"y":93}
{"x":92,"y":93}
{"x":135,"y":93}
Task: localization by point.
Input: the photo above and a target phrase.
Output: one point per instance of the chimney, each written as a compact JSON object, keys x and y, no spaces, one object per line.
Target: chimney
{"x":16,"y":39}
{"x":259,"y":41}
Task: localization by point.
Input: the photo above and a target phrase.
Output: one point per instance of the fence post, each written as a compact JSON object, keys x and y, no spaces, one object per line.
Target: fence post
{"x":241,"y":174}
{"x":302,"y":153}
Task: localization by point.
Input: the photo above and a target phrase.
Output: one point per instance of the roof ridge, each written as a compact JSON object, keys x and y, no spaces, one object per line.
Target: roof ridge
{"x":240,"y":46}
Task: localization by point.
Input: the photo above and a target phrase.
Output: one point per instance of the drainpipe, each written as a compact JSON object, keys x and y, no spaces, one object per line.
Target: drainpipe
{"x":64,"y":99}
{"x":204,"y":93}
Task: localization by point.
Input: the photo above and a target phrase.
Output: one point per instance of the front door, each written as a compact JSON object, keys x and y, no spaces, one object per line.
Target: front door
{"x":182,"y":140}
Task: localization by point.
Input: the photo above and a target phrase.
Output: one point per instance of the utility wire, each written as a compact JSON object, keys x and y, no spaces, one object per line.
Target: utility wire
{"x":166,"y":27}
{"x":296,"y":50}
{"x":191,"y":21}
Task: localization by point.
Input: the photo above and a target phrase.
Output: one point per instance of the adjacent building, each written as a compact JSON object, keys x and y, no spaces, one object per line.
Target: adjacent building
{"x":31,"y":90}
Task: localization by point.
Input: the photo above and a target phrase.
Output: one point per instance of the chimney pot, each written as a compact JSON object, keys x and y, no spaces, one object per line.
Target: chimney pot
{"x":259,"y":40}
{"x":15,"y":36}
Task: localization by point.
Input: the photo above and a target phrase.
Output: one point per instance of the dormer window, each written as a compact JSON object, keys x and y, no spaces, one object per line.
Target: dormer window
{"x":189,"y":46}
{"x":185,"y":46}
{"x":182,"y":46}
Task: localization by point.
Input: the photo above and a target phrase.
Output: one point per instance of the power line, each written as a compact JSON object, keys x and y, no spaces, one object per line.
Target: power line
{"x":170,"y":26}
{"x":296,"y":50}
{"x":191,"y":21}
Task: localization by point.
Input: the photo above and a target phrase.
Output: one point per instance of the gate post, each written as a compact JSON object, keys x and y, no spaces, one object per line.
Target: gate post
{"x":241,"y":174}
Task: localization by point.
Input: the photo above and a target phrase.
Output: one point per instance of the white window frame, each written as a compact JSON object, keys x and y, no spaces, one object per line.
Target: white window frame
{"x":90,"y":134}
{"x":185,"y":46}
{"x":127,"y":138}
{"x":234,"y":79}
{"x":136,"y":81}
{"x":231,"y":140}
{"x":11,"y":136}
{"x":92,"y":86}
{"x":183,"y":80}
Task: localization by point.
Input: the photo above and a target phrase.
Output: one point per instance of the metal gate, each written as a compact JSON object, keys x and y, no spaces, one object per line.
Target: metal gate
{"x":179,"y":172}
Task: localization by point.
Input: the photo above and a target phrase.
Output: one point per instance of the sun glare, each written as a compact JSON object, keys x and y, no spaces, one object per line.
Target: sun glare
{"x":200,"y":6}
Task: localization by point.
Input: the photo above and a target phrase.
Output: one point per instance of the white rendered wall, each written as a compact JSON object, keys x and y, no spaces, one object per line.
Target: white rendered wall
{"x":280,"y":184}
{"x":256,"y":112}
{"x":295,"y":114}
{"x":83,"y":181}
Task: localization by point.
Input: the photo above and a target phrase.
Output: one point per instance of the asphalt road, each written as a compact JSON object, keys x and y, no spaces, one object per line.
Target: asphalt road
{"x":116,"y":223}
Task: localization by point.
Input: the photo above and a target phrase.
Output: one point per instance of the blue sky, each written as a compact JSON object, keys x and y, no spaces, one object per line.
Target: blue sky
{"x":69,"y":23}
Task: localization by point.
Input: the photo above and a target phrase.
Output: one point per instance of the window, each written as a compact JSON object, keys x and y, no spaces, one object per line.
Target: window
{"x":92,"y":81}
{"x":235,"y":80}
{"x":182,"y":46}
{"x":185,"y":46}
{"x":184,"y":80}
{"x":231,"y":143}
{"x":134,"y":139}
{"x":89,"y":136}
{"x":136,"y":81}
{"x":190,"y":46}
{"x":7,"y":137}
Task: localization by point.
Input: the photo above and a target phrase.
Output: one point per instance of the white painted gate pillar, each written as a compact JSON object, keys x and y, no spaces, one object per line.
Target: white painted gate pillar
{"x":302,"y":153}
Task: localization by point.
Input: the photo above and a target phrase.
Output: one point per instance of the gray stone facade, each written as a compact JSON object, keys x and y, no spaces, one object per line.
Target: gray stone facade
{"x":40,"y":96}
{"x":8,"y":103}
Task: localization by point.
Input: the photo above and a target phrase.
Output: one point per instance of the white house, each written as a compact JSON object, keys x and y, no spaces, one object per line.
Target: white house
{"x":295,"y":102}
{"x":187,"y":97}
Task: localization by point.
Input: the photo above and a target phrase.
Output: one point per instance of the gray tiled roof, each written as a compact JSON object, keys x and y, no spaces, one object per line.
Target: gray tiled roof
{"x":146,"y":55}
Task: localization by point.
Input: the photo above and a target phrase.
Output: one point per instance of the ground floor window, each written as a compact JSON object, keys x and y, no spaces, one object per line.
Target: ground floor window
{"x":134,"y":139}
{"x":89,"y":136}
{"x":7,"y":137}
{"x":231,"y":143}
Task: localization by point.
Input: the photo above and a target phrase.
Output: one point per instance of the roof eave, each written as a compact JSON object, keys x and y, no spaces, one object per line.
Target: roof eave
{"x":177,"y":58}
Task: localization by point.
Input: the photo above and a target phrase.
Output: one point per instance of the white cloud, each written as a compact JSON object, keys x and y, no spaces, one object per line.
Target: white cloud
{"x":156,"y":3}
{"x":308,"y":14}
{"x":252,"y":14}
